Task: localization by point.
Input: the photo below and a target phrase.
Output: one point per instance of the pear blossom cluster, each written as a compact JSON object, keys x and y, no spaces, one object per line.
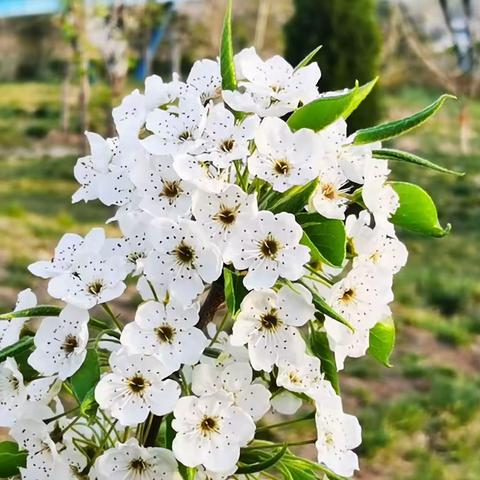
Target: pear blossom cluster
{"x":225,"y":286}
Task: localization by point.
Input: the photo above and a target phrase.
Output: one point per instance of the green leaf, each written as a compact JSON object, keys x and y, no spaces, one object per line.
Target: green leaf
{"x":319,"y":346}
{"x":169,"y":431}
{"x":325,"y":110}
{"x":89,"y":405}
{"x":308,"y":58}
{"x":38,"y":311}
{"x":25,"y":343}
{"x":227,"y":66}
{"x":11,"y":459}
{"x":87,"y":377}
{"x":322,"y":306}
{"x":382,"y":341}
{"x":264,"y":464}
{"x":293,"y":200}
{"x":417,"y":212}
{"x":391,"y":154}
{"x":235,"y":291}
{"x":325,"y":237}
{"x":398,"y":127}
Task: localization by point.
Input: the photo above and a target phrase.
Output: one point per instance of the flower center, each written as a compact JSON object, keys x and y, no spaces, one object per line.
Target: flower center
{"x":165,"y":333}
{"x":227,"y":145}
{"x":209,"y":425}
{"x":134,"y":256}
{"x":348,"y":295}
{"x":139,"y":465}
{"x":282,"y":167}
{"x":329,"y":440}
{"x":70,"y":344}
{"x":185,"y":253}
{"x":294,"y":378}
{"x":171,"y":189}
{"x":137,"y":384}
{"x":14,"y":383}
{"x":95,"y":287}
{"x":226,"y":215}
{"x":329,"y":191}
{"x":270,"y":321}
{"x":269,"y":247}
{"x":184,"y":136}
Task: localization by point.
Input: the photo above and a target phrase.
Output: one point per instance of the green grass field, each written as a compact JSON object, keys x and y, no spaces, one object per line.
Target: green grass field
{"x":421,"y":419}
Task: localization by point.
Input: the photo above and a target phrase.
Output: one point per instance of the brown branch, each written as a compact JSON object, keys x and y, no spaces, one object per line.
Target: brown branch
{"x":214,"y":299}
{"x":153,"y":431}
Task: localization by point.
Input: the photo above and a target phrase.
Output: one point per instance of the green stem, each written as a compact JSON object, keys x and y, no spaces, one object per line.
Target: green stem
{"x":277,"y":445}
{"x":152,"y":288}
{"x":309,"y":416}
{"x":114,"y":318}
{"x":219,"y":329}
{"x":56,"y":417}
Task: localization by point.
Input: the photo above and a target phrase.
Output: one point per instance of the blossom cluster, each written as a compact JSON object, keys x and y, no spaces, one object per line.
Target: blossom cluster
{"x":203,"y":180}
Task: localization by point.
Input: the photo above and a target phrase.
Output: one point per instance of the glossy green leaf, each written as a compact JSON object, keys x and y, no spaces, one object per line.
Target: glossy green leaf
{"x":11,"y":459}
{"x":325,"y":110}
{"x":38,"y":311}
{"x":325,"y":237}
{"x":398,"y":127}
{"x":235,"y":291}
{"x":308,"y":58}
{"x":319,"y":346}
{"x":25,"y":343}
{"x":391,"y":154}
{"x":89,"y":405}
{"x":382,"y":341}
{"x":417,"y":212}
{"x":87,"y":376}
{"x":227,"y":66}
{"x":263,"y":464}
{"x":293,"y":200}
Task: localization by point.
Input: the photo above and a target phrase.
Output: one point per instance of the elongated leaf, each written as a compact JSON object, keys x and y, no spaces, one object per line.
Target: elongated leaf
{"x":294,"y":199}
{"x":308,"y":58}
{"x":319,"y":346}
{"x":325,"y":237}
{"x":325,"y":110}
{"x":235,"y":291}
{"x":227,"y":67}
{"x":399,"y":127}
{"x":88,"y":375}
{"x":89,"y":405}
{"x":417,"y":212}
{"x":382,"y":341}
{"x":322,"y":306}
{"x":11,"y":459}
{"x":25,"y":343}
{"x":264,"y":464}
{"x":391,"y":154}
{"x":38,"y":311}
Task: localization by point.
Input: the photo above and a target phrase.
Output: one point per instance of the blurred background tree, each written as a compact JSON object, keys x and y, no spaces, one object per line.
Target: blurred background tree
{"x":350,"y":38}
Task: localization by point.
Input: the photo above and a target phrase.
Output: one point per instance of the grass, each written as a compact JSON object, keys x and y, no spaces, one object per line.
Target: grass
{"x":421,"y":418}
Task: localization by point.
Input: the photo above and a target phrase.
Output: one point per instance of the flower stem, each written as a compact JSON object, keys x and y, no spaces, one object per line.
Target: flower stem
{"x":277,"y":445}
{"x":309,"y":416}
{"x":114,"y":318}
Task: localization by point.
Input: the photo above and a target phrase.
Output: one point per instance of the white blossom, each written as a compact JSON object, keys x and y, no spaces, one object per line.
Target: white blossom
{"x":235,"y":380}
{"x":220,"y":214}
{"x":136,"y":387}
{"x":13,"y":393}
{"x":269,"y":247}
{"x":210,"y":431}
{"x":61,"y":343}
{"x":131,"y":461}
{"x":273,"y":87}
{"x":182,"y":259}
{"x":285,"y":158}
{"x":166,"y":331}
{"x":10,"y":329}
{"x":268,"y":322}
